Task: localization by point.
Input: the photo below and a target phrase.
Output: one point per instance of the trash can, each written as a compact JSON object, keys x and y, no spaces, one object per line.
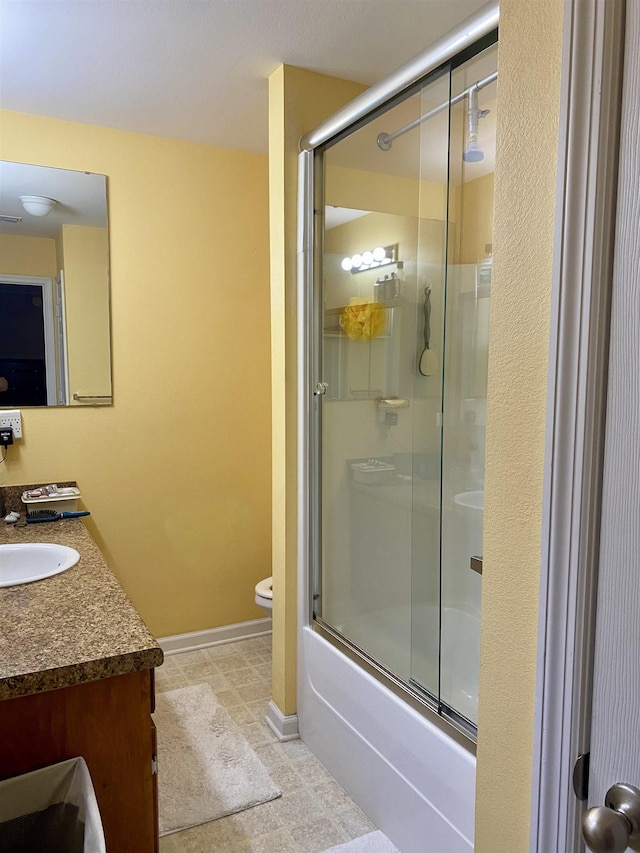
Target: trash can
{"x":53,"y":809}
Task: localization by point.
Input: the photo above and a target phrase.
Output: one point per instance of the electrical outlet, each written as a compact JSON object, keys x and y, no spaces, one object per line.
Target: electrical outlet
{"x":11,"y":418}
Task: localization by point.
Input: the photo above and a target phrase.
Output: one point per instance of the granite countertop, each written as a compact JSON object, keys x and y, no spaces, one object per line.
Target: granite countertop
{"x":71,"y":628}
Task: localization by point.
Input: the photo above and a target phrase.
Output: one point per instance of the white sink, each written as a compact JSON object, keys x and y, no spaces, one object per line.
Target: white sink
{"x":470,"y":500}
{"x":27,"y":562}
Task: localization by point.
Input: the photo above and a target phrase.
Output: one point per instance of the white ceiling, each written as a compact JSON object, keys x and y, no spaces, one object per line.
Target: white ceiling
{"x":198,"y":69}
{"x":81,"y":198}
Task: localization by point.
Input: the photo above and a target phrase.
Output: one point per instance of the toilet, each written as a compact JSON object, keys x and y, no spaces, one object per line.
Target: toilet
{"x":264,"y":595}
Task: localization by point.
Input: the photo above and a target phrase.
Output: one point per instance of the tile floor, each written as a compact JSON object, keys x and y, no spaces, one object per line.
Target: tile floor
{"x":314,"y":812}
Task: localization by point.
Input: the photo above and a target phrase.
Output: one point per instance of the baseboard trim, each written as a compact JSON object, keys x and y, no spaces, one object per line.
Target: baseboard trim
{"x":194,"y":640}
{"x":284,"y":726}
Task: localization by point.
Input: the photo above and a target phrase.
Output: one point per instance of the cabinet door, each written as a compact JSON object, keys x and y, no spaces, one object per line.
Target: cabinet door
{"x":108,"y":723}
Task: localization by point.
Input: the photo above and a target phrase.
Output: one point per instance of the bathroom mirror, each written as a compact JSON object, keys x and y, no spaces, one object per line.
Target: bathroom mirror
{"x":54,"y":288}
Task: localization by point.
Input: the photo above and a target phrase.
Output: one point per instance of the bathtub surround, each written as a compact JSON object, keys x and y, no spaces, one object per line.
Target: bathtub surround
{"x":208,"y":768}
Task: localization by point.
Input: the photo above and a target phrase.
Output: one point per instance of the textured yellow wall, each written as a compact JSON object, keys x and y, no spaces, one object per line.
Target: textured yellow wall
{"x":527,"y":140}
{"x":298,"y":101}
{"x":177,"y":472}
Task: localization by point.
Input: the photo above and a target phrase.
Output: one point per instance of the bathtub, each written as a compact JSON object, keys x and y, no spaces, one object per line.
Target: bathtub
{"x":414,"y":782}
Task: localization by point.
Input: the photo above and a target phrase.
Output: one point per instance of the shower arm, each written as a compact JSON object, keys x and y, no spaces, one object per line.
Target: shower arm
{"x":385,"y":140}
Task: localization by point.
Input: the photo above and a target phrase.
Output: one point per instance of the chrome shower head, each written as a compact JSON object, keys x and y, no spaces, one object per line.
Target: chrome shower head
{"x":473,"y":154}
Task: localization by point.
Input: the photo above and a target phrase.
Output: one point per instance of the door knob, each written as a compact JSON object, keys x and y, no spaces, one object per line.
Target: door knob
{"x":614,"y":827}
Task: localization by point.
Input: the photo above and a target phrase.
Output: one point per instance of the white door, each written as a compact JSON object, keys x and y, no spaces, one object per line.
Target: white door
{"x":615,"y":722}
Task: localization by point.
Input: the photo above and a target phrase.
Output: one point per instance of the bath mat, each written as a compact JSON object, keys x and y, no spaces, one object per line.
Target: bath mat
{"x":206,"y":768}
{"x":372,"y":842}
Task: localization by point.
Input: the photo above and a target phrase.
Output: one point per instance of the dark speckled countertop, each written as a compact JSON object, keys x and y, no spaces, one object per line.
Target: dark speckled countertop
{"x":74,"y":627}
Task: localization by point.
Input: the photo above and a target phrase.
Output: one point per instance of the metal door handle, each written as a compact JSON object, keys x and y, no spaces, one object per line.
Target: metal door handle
{"x":614,"y":827}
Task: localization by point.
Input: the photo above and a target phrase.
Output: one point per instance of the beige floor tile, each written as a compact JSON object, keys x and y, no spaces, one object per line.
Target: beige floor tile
{"x":170,"y":682}
{"x":313,"y":813}
{"x":286,"y":776}
{"x":273,"y":842}
{"x":354,"y":822}
{"x":271,"y":755}
{"x":229,"y":697}
{"x":309,"y":767}
{"x":167,"y":844}
{"x":251,"y":692}
{"x":242,"y":677}
{"x":232,"y":663}
{"x":218,"y":682}
{"x":316,"y":836}
{"x":222,"y":651}
{"x":196,"y":673}
{"x":258,"y":734}
{"x":217,"y":835}
{"x":257,"y":821}
{"x":298,"y":808}
{"x":241,"y":715}
{"x":332,"y":796}
{"x":258,"y":709}
{"x":186,"y":659}
{"x":170,"y":663}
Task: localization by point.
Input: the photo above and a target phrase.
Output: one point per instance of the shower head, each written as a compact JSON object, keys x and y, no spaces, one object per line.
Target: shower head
{"x":473,"y":154}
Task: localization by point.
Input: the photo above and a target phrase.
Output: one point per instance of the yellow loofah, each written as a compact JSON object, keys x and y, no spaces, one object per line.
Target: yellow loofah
{"x":362,"y":320}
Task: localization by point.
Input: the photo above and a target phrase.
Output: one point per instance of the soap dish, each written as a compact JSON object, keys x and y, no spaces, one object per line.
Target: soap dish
{"x":372,"y":471}
{"x":63,"y":500}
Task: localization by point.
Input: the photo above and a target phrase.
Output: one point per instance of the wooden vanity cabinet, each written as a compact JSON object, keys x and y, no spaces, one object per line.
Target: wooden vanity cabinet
{"x":107,"y":722}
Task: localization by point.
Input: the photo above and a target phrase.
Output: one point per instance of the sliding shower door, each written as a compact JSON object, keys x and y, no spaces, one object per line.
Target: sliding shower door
{"x":402,"y":332}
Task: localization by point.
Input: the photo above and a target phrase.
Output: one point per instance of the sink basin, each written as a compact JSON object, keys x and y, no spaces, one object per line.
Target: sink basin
{"x":470,"y":500}
{"x":27,"y":562}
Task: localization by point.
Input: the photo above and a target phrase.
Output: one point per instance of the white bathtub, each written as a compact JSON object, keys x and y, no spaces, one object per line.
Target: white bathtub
{"x":414,"y":782}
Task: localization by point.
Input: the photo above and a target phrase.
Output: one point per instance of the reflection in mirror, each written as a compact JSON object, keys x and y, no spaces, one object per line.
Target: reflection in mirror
{"x":54,"y":287}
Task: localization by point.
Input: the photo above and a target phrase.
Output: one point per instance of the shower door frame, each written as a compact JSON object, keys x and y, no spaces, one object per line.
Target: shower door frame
{"x":477,"y":32}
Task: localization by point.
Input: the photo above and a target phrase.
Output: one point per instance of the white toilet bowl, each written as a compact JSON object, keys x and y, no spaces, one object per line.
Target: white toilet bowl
{"x":264,"y":595}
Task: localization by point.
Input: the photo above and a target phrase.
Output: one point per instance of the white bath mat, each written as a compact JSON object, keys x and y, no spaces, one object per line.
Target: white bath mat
{"x":206,"y":768}
{"x":373,"y":842}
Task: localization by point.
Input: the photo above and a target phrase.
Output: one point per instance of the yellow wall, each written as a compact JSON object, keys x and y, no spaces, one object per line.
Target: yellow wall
{"x":527,"y":141}
{"x":27,"y":256}
{"x":298,"y":101}
{"x":85,"y":261}
{"x":473,"y":204}
{"x":176,"y":473}
{"x":391,"y":194}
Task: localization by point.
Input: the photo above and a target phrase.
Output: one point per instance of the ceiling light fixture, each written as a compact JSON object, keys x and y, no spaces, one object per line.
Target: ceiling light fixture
{"x":38,"y":205}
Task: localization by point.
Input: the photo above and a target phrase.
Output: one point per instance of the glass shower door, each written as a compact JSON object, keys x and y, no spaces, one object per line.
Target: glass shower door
{"x":464,"y":399}
{"x":384,"y":246}
{"x":403,"y":334}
